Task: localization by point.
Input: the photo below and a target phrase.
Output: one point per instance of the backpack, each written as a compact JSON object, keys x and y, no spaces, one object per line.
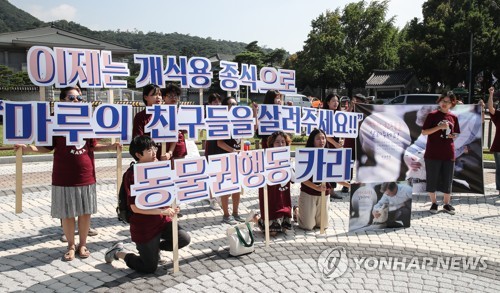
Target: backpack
{"x":122,"y":210}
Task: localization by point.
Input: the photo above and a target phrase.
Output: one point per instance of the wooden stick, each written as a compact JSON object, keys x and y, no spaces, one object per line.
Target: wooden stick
{"x":118,"y":169}
{"x":324,"y":220}
{"x":175,"y":241}
{"x":266,"y":215}
{"x":175,"y":232}
{"x":19,"y":180}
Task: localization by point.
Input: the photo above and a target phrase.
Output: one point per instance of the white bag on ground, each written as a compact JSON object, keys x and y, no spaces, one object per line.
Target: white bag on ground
{"x":240,"y":239}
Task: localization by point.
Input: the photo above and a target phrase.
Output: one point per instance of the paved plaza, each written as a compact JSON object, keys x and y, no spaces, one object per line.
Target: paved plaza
{"x":31,"y":252}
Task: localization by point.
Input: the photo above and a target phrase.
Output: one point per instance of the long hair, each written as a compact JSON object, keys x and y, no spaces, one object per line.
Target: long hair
{"x":327,"y":100}
{"x":150,"y":89}
{"x":310,"y":139}
{"x":270,"y":95}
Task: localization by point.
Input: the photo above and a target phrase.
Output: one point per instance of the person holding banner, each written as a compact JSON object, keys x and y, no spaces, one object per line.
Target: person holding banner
{"x":73,"y":182}
{"x":495,"y":146}
{"x":272,"y":97}
{"x":441,"y":127}
{"x":332,"y":102}
{"x":223,"y":147}
{"x":151,"y":230}
{"x":214,"y":99}
{"x":170,"y":95}
{"x":308,"y":213}
{"x":351,"y":142}
{"x":279,"y":201}
{"x":151,"y":95}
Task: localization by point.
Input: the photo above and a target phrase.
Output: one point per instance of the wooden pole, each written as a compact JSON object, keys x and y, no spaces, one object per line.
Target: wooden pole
{"x":19,"y":180}
{"x":119,"y":166}
{"x":266,"y":215}
{"x":324,"y":219}
{"x":175,"y":232}
{"x":118,"y":169}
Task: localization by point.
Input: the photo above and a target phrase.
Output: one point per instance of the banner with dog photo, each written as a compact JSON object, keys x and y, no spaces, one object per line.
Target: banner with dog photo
{"x":390,"y":146}
{"x":380,"y":205}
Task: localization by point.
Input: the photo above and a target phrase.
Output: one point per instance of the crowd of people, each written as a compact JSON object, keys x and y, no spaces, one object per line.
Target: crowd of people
{"x":74,"y":178}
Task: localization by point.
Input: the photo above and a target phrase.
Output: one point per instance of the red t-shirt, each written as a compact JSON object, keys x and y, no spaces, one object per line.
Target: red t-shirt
{"x":439,"y":148}
{"x":72,"y":166}
{"x":143,"y":228}
{"x":180,"y":150}
{"x":141,"y":119}
{"x":495,"y":146}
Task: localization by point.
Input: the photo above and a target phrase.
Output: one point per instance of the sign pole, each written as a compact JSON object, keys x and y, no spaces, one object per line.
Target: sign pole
{"x":175,"y":235}
{"x":19,"y":180}
{"x":323,"y":210}
{"x":266,"y":215}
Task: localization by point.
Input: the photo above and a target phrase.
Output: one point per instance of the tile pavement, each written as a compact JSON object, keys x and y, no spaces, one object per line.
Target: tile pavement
{"x":30,"y":250}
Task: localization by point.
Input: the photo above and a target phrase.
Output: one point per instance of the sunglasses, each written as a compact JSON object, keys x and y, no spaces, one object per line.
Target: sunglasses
{"x":72,"y":98}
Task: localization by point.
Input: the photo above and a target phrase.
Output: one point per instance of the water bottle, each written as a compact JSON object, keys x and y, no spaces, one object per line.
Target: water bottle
{"x":246,"y":145}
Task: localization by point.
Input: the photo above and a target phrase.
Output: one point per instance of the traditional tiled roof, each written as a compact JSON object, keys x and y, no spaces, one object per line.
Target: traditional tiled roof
{"x":56,"y":37}
{"x":390,"y":77}
{"x":218,"y":57}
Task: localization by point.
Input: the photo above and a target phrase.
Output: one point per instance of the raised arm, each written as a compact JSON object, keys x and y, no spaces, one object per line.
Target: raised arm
{"x":490,"y":101}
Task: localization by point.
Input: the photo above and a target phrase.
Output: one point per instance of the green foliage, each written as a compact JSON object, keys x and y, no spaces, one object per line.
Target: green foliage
{"x":10,"y":79}
{"x":13,"y":19}
{"x":159,"y":43}
{"x":343,"y":48}
{"x":442,"y":41}
{"x":256,"y":55}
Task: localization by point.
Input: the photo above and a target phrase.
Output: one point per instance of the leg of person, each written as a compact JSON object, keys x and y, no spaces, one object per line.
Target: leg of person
{"x":83,"y":228}
{"x":63,"y":237}
{"x":69,"y":231}
{"x":167,"y":238}
{"x":226,"y":218}
{"x":307,"y":211}
{"x":447,"y":169}
{"x":404,"y":214}
{"x":496,"y":155}
{"x":236,"y":205}
{"x":392,"y":217}
{"x":147,"y":260}
{"x":431,"y":177}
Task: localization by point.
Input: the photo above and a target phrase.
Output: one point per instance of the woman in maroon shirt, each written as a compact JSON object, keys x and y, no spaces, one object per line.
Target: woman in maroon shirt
{"x":441,"y":127}
{"x":279,"y":199}
{"x":73,"y":182}
{"x":308,"y":213}
{"x":332,"y":102}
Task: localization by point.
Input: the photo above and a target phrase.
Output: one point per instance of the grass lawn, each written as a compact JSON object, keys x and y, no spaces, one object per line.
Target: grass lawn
{"x":297,"y":142}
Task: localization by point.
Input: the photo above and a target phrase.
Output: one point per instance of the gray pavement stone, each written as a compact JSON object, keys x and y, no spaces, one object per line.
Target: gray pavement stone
{"x":29,"y":248}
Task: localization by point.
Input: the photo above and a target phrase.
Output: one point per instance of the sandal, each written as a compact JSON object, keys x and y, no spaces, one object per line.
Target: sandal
{"x":70,"y":254}
{"x":83,"y":252}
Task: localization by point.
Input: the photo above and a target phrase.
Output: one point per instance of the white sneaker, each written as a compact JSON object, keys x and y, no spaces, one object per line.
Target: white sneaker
{"x":214,"y":204}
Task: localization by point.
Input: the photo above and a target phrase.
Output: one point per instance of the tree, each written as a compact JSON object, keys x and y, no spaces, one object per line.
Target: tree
{"x":343,"y":48}
{"x":10,"y":79}
{"x":438,"y":47}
